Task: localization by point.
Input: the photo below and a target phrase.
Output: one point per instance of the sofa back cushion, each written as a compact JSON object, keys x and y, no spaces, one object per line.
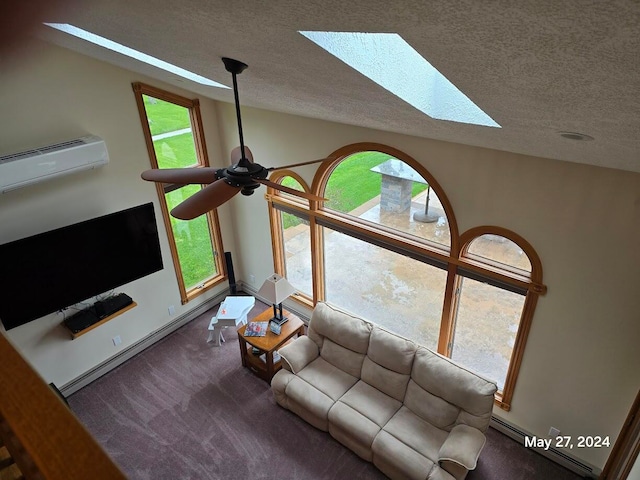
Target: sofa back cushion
{"x":342,"y":339}
{"x":447,"y":394}
{"x":387,"y":365}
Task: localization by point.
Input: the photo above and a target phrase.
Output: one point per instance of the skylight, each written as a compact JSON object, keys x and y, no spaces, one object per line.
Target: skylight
{"x":130,"y":52}
{"x":393,"y":64}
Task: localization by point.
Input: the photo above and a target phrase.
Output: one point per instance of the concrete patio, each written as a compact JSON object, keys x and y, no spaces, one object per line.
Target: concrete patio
{"x":405,"y":295}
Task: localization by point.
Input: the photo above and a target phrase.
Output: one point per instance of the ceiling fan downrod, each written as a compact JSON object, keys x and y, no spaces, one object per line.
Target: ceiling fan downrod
{"x":236,"y":67}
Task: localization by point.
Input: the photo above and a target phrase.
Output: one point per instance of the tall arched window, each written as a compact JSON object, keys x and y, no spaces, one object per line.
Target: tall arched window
{"x":385,"y":245}
{"x":291,"y":238}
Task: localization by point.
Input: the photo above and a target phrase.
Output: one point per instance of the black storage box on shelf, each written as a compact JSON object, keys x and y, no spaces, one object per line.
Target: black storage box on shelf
{"x":99,"y":310}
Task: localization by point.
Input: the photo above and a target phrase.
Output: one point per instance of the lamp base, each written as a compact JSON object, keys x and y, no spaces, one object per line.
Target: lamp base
{"x":279,"y":321}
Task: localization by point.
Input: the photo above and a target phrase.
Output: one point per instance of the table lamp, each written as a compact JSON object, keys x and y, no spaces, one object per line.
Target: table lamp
{"x":276,"y":289}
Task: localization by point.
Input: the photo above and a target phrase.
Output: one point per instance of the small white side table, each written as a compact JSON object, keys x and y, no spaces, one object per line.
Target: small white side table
{"x":232,"y":312}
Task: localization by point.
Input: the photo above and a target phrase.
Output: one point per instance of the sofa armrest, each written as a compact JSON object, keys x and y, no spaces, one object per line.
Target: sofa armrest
{"x":298,"y":354}
{"x":459,"y":452}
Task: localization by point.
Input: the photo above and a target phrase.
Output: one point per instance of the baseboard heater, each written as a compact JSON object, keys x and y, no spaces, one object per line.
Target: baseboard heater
{"x":553,"y":454}
{"x":118,"y":359}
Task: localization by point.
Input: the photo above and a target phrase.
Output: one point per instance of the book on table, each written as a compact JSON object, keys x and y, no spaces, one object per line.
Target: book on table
{"x":276,"y":357}
{"x":256,"y":329}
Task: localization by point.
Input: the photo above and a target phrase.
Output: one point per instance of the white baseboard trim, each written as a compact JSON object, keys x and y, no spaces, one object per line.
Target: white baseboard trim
{"x":132,"y":350}
{"x":558,"y":456}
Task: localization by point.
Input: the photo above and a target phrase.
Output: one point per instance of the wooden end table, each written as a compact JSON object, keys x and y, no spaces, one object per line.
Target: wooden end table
{"x":263,"y":364}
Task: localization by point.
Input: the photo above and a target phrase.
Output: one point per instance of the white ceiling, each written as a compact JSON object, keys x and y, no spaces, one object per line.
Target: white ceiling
{"x":537,"y":67}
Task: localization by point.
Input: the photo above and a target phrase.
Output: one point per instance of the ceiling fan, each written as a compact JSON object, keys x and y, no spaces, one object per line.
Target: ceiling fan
{"x":243,"y":176}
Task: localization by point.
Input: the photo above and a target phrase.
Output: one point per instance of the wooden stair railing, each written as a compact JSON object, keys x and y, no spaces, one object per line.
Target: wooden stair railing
{"x":8,"y":468}
{"x":40,"y":438}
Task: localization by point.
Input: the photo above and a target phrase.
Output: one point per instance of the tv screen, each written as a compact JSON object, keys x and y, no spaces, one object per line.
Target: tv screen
{"x":54,"y":270}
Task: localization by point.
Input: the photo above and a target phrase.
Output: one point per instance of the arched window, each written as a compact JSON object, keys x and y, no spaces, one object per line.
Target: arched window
{"x":385,"y":187}
{"x":291,"y":238}
{"x":493,"y":304}
{"x":385,"y":245}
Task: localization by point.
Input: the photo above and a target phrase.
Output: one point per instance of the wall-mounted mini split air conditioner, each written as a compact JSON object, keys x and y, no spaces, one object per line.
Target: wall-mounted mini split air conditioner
{"x":41,"y":164}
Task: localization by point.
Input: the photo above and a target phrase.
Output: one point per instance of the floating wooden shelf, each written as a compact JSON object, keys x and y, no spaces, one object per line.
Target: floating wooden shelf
{"x":102,"y":321}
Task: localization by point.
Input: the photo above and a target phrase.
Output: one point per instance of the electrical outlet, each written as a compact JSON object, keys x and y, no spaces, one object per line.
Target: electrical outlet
{"x":252,"y":279}
{"x":554,"y":432}
{"x":116,"y":340}
{"x":172,"y":310}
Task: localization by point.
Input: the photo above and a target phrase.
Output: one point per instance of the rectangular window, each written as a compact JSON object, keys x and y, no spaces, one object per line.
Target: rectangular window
{"x":395,"y":291}
{"x":175,"y":139}
{"x":486,"y":323}
{"x":297,"y":252}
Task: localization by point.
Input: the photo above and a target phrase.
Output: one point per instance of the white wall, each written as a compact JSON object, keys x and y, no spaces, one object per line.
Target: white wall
{"x":52,"y":95}
{"x":580,"y":370}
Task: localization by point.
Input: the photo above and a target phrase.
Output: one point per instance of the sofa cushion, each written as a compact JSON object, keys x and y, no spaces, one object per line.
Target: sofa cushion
{"x":391,"y":351}
{"x":326,"y":378}
{"x":313,"y":391}
{"x":302,"y":398}
{"x":416,"y":433}
{"x":370,"y":402}
{"x":346,"y":330}
{"x":358,"y":416}
{"x":445,"y":379}
{"x":342,"y":358}
{"x":433,"y":409}
{"x":407,"y":447}
{"x":396,"y":460}
{"x":388,"y":363}
{"x":391,"y":383}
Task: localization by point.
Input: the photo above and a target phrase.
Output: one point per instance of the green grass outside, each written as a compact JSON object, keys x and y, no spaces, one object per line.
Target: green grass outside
{"x":351,"y":184}
{"x":165,"y":116}
{"x":193,"y":241}
{"x":176,"y":152}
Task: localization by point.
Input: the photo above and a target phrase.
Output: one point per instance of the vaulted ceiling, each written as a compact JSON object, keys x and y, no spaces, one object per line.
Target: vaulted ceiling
{"x":536,"y":67}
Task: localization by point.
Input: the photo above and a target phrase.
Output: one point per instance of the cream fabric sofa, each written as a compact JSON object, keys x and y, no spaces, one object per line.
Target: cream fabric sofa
{"x":410,"y":411}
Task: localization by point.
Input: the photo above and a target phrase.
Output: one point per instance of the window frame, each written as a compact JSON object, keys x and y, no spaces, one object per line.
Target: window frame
{"x":197,"y":130}
{"x":277,"y":243}
{"x":454,"y":259}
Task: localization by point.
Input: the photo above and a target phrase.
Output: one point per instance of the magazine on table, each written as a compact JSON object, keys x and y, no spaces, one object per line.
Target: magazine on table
{"x":276,"y":357}
{"x":256,"y":329}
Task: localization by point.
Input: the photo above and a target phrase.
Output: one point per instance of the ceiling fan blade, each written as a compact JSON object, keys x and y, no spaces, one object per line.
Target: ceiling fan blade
{"x":209,"y":198}
{"x":236,"y":155}
{"x":182,"y":176}
{"x":310,"y":162}
{"x":297,"y":193}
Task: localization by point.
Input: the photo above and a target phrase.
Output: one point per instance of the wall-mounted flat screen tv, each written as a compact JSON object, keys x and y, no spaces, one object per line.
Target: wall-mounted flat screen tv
{"x":54,"y":270}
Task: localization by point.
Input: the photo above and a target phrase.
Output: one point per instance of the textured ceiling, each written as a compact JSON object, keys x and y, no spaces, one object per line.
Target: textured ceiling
{"x":536,"y":67}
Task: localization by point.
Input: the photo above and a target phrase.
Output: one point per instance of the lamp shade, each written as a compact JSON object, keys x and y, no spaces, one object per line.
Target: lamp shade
{"x":276,"y":289}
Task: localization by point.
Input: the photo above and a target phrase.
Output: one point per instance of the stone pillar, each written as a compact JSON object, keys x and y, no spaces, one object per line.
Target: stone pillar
{"x":395,"y":194}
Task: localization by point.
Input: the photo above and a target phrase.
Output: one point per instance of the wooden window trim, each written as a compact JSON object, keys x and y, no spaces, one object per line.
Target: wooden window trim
{"x":326,"y":168}
{"x":275,"y":221}
{"x":455,"y":259}
{"x":534,"y":288}
{"x":467,"y":238}
{"x":197,"y":130}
